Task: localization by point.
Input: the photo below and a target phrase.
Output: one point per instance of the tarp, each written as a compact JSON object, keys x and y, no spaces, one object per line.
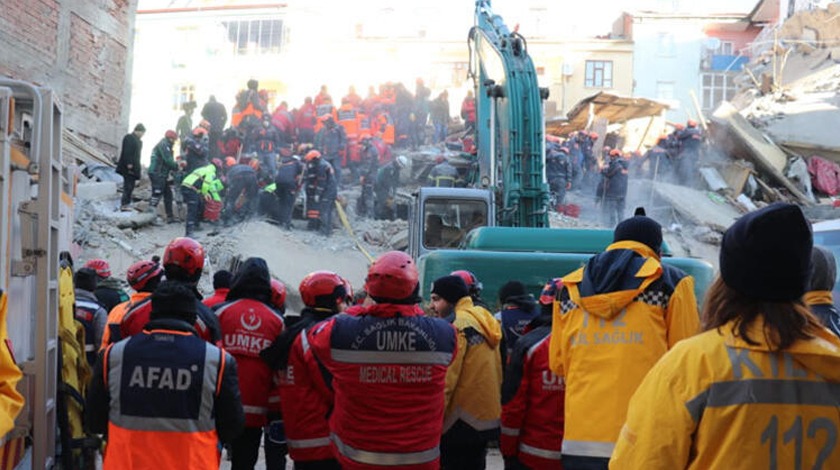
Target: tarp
{"x":613,"y":108}
{"x":825,"y":175}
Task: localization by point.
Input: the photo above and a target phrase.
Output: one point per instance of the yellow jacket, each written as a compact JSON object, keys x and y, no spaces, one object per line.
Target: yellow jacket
{"x":613,"y":320}
{"x":474,"y":379}
{"x":11,"y":401}
{"x":716,"y":401}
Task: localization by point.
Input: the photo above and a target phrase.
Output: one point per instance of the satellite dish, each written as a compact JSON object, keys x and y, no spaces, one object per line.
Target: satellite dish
{"x":712,"y":44}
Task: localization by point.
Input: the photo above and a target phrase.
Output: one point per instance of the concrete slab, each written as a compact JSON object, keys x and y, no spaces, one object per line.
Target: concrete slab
{"x":96,"y":191}
{"x":697,"y":206}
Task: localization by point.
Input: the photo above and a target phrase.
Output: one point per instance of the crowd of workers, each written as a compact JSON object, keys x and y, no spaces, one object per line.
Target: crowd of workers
{"x":572,"y":164}
{"x":263,"y":160}
{"x":612,"y":365}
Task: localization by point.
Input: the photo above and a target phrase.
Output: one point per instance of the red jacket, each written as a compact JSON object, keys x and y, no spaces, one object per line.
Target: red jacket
{"x":468,"y":110}
{"x":217,"y":298}
{"x":137,"y":316}
{"x":532,"y":404}
{"x":305,"y":409}
{"x":305,"y":117}
{"x":387,"y":369}
{"x":248,"y":327}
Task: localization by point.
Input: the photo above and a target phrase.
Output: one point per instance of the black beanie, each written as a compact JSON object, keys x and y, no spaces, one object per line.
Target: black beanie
{"x":450,"y":288}
{"x":173,"y":299}
{"x":222,"y":279}
{"x":85,"y":279}
{"x":766,"y":254}
{"x":511,"y":289}
{"x":640,"y":229}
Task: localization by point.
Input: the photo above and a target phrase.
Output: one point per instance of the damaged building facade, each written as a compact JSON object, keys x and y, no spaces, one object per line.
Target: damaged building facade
{"x":81,"y":49}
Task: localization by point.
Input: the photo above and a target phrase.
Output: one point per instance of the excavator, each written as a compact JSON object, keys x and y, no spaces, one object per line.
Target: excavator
{"x":498,"y":229}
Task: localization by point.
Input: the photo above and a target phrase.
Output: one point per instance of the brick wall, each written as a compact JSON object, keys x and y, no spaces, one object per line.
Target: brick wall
{"x":79,"y":48}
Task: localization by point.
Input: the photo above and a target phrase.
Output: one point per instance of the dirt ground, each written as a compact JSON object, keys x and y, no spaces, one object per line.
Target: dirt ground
{"x":494,"y":461}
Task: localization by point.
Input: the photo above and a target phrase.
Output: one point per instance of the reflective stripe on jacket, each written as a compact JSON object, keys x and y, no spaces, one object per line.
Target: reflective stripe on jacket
{"x":387,"y":368}
{"x":162,"y":401}
{"x":614,"y":319}
{"x":532,"y":404}
{"x":716,"y":401}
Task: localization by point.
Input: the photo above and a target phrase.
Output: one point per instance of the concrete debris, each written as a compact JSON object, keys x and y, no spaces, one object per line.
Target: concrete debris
{"x":96,"y":191}
{"x":697,"y":206}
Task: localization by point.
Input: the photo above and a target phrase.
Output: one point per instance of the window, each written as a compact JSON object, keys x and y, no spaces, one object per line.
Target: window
{"x":182,"y":94}
{"x":255,"y":37}
{"x":599,"y":74}
{"x":666,"y":47}
{"x":447,"y":222}
{"x":717,"y":87}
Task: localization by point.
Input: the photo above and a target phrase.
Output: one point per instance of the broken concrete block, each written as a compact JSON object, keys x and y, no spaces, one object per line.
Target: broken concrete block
{"x":96,"y":191}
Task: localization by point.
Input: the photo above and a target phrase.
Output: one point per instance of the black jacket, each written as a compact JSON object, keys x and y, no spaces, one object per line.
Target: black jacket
{"x":130,"y":155}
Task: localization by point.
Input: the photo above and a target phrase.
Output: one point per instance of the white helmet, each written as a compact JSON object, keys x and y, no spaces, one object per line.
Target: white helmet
{"x":402,"y":161}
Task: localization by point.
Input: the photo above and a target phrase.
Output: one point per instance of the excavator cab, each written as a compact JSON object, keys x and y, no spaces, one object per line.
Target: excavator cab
{"x":443,"y":217}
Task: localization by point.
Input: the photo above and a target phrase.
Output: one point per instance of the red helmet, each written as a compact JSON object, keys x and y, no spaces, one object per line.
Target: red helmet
{"x":593,"y":135}
{"x":140,"y":273}
{"x":320,"y":284}
{"x":102,"y":268}
{"x":348,"y":291}
{"x":170,"y":134}
{"x":312,"y":155}
{"x":183,"y":257}
{"x":278,"y":294}
{"x":472,"y":282}
{"x":392,"y":276}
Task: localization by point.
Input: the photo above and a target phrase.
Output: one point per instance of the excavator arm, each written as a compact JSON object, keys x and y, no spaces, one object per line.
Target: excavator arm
{"x":509,"y":125}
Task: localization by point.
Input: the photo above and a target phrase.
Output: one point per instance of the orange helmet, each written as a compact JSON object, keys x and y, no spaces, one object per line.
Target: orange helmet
{"x":312,"y":155}
{"x":691,"y":123}
{"x":230,"y":161}
{"x":392,"y":276}
{"x":278,"y":294}
{"x":183,"y":259}
{"x":593,"y":135}
{"x":255,"y":164}
{"x":322,"y":289}
{"x":615,"y":153}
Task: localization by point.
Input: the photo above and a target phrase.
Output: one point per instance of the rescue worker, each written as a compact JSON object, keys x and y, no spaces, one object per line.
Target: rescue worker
{"x":474,"y":286}
{"x":288,"y":180}
{"x":199,"y":185}
{"x":385,"y":188}
{"x":657,"y":159}
{"x":473,"y":381}
{"x":819,"y":297}
{"x":690,"y":141}
{"x":614,"y":318}
{"x":144,"y":277}
{"x":265,"y":141}
{"x":240,"y":194}
{"x":249,"y":325}
{"x":532,"y":403}
{"x":216,"y":114}
{"x":519,"y":309}
{"x":305,"y":118}
{"x":165,"y":397}
{"x":558,"y":171}
{"x":439,"y":112}
{"x":758,"y":388}
{"x":323,"y":96}
{"x":612,"y":190}
{"x":352,"y":97}
{"x":109,"y":290}
{"x":184,"y":125}
{"x":321,"y":191}
{"x":128,"y":164}
{"x":183,"y":261}
{"x":195,"y":150}
{"x":221,"y":286}
{"x":468,"y":112}
{"x":331,"y":141}
{"x":369,"y":167}
{"x":443,"y":174}
{"x":276,"y":446}
{"x":307,"y":432}
{"x":160,"y":169}
{"x":89,"y":311}
{"x":386,"y":367}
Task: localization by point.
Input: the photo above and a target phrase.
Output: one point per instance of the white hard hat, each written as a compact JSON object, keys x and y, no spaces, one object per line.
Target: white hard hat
{"x":402,"y":161}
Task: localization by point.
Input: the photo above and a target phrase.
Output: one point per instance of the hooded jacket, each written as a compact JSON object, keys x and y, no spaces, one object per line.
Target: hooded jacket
{"x":249,"y":325}
{"x":474,"y":379}
{"x":721,"y":402}
{"x":613,"y":320}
